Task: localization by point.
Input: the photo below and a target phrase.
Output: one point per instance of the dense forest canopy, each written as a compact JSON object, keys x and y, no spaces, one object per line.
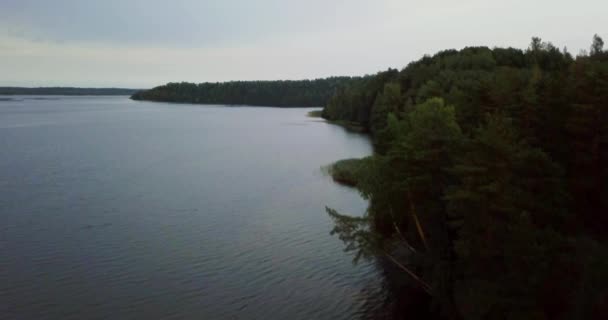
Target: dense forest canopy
{"x":66,"y":91}
{"x":489,"y":185}
{"x":302,"y":93}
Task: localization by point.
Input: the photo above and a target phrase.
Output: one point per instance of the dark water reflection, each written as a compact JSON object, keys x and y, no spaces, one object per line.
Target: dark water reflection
{"x":119,"y":209}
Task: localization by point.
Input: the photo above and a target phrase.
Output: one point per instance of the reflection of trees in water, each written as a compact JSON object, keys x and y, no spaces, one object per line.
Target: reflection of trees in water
{"x":395,"y":297}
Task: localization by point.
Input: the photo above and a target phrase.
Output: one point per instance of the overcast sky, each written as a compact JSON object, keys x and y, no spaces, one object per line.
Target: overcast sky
{"x":143,"y":43}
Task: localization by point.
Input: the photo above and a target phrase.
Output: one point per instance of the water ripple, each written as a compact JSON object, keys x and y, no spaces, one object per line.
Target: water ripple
{"x":174,"y":212}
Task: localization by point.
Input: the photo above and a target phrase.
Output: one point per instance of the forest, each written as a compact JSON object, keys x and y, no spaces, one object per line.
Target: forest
{"x":300,"y":93}
{"x":488,"y":187}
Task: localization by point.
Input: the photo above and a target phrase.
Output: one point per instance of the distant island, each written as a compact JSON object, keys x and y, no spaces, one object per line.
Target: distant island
{"x":286,"y":94}
{"x":67,"y":91}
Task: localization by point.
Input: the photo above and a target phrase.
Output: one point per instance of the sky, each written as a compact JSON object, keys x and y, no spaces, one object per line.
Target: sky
{"x":144,"y":43}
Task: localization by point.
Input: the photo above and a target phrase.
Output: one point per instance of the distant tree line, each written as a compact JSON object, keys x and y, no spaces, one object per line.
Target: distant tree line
{"x":302,"y":93}
{"x":66,"y":91}
{"x":489,"y":185}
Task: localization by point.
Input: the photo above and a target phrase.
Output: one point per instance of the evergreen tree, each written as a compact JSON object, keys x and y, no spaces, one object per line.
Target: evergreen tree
{"x":597,"y":46}
{"x":498,"y":188}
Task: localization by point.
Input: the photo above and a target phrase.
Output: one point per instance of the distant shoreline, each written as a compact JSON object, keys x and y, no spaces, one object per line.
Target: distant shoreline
{"x":279,"y":93}
{"x":66,"y":91}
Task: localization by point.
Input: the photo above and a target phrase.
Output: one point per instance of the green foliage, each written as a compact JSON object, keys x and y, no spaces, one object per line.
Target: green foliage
{"x":490,"y":167}
{"x":348,"y":171}
{"x":387,"y":101}
{"x":597,"y":47}
{"x":505,"y":196}
{"x":315,"y":113}
{"x":353,"y":102}
{"x":356,"y":234}
{"x":303,"y":93}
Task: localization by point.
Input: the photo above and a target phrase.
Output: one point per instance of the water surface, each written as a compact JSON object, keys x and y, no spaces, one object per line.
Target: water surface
{"x":118,"y":209}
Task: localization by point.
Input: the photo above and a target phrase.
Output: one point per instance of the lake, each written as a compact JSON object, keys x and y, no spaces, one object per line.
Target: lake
{"x":118,"y":209}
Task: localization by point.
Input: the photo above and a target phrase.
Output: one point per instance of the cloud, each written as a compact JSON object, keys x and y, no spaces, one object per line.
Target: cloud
{"x":181,"y":23}
{"x":141,"y":43}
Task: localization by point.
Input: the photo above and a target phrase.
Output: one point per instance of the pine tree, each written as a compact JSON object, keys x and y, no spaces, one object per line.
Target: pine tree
{"x":506,"y":194}
{"x":597,"y":46}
